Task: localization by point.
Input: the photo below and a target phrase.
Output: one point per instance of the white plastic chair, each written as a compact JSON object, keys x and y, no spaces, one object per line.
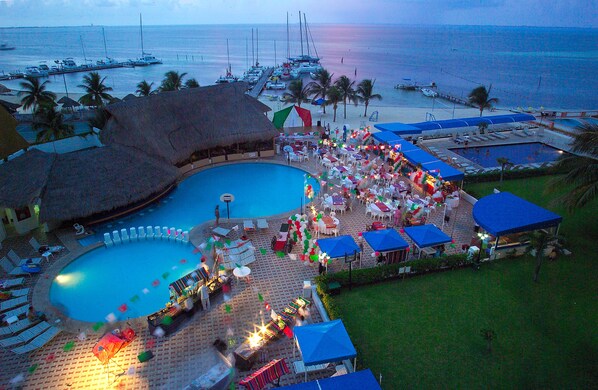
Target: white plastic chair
{"x":141,"y":233}
{"x":149,"y":232}
{"x":108,"y":240}
{"x":124,"y":236}
{"x":186,"y":236}
{"x":165,"y":234}
{"x":157,"y":232}
{"x":179,"y":235}
{"x":115,"y":237}
{"x":172,"y":233}
{"x":133,"y":234}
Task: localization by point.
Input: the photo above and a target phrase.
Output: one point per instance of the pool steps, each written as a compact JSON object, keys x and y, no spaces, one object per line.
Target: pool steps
{"x":149,"y":233}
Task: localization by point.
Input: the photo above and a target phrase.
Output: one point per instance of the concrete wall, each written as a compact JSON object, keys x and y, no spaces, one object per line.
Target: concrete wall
{"x":26,"y":225}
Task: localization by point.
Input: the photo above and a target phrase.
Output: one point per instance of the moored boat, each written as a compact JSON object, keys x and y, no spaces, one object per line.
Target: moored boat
{"x":429,"y":93}
{"x":6,"y":46}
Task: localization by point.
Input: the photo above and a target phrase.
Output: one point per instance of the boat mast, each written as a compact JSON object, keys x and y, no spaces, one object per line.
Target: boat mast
{"x":275,"y":52}
{"x":257,"y":48}
{"x":306,"y":37}
{"x":301,"y":33}
{"x":307,"y":30}
{"x":246,"y":54}
{"x":104,"y":35}
{"x":83,"y":47}
{"x":229,"y":71}
{"x":252,"y":49}
{"x":141,"y":30}
{"x":288,"y":49}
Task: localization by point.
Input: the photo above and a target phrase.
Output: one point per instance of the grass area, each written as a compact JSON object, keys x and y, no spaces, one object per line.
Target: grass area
{"x":425,"y":332}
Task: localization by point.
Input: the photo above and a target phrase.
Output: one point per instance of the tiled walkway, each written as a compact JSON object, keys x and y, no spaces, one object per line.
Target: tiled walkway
{"x":185,"y":355}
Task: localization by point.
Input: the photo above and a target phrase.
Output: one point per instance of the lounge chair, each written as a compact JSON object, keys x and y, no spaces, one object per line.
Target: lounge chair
{"x":79,"y":229}
{"x":15,"y":327}
{"x":248,"y":225}
{"x":11,"y":269}
{"x":19,"y":293}
{"x":44,"y":248}
{"x":17,"y":312}
{"x":108,"y":239}
{"x":12,"y":303}
{"x":262,"y":224}
{"x":26,"y":335}
{"x":17,"y":261}
{"x":39,"y":341}
{"x":9,"y":283}
{"x":221,"y":231}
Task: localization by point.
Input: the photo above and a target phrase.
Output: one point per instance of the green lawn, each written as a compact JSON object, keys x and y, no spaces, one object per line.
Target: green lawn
{"x":425,"y":332}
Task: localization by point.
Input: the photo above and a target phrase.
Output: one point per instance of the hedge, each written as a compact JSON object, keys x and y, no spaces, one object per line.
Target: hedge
{"x":512,"y":174}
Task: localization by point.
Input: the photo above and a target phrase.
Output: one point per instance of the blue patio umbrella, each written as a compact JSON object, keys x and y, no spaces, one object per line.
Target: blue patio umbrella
{"x":387,"y":240}
{"x":338,"y":246}
{"x":427,"y":235}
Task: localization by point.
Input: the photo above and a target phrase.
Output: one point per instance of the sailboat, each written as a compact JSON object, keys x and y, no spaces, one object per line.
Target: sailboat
{"x":108,"y":61}
{"x":229,"y":78}
{"x":305,"y":63}
{"x":146,"y":58}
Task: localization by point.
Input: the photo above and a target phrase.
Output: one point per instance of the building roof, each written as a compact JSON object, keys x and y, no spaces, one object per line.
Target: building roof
{"x":82,"y":183}
{"x":10,"y":140}
{"x":174,"y":125}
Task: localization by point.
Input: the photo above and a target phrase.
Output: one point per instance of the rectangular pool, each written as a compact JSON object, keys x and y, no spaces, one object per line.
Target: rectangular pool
{"x":526,"y":153}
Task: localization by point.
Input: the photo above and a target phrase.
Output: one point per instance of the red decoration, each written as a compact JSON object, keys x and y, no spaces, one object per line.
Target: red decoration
{"x":122,"y":308}
{"x":156,"y":283}
{"x":50,"y":357}
{"x":183,"y":261}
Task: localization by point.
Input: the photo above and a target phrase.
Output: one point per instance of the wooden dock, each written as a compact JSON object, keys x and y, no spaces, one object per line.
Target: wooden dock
{"x":454,"y":99}
{"x":259,"y":86}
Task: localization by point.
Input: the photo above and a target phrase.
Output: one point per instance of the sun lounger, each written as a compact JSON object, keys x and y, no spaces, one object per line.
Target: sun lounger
{"x":19,"y":293}
{"x":15,"y":327}
{"x":39,"y":341}
{"x":221,"y":231}
{"x":26,"y":335}
{"x":9,"y":283}
{"x":248,"y":225}
{"x":476,"y":138}
{"x":79,"y":229}
{"x":16,"y":312}
{"x":17,"y":261}
{"x":12,"y":303}
{"x":10,"y":269}
{"x":262,"y":224}
{"x":301,"y":368}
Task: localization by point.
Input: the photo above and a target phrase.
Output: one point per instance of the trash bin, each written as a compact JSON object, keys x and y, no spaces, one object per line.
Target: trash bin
{"x":319,"y":123}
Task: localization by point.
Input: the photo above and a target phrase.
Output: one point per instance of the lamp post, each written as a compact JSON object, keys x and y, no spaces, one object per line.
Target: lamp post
{"x":482,"y":237}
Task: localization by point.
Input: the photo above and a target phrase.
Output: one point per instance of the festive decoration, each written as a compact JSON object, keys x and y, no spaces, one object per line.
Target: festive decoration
{"x":97,"y":326}
{"x":68,"y":346}
{"x":227,"y":308}
{"x":32,"y":369}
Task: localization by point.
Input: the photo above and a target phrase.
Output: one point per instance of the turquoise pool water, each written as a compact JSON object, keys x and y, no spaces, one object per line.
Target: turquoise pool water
{"x":260,"y":190}
{"x":101,"y":281}
{"x":527,"y":153}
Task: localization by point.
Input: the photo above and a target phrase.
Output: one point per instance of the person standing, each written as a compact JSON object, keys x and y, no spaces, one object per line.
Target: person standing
{"x":205,"y":297}
{"x":217,"y":214}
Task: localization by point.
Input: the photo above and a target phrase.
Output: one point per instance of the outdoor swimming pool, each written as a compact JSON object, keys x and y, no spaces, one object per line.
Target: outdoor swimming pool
{"x":99,"y":282}
{"x":103,"y":280}
{"x":260,"y":190}
{"x":527,"y":153}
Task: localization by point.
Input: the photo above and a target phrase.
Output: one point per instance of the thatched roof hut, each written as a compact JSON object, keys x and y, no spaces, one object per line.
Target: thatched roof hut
{"x":10,"y":139}
{"x":129,"y":97}
{"x":173,"y":125}
{"x":82,"y":183}
{"x":67,"y":102}
{"x":24,"y":178}
{"x":98,"y":180}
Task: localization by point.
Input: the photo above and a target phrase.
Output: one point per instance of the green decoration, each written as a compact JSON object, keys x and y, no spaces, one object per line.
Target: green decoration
{"x":221,"y":267}
{"x":97,"y":326}
{"x":313,"y":257}
{"x":208,"y":246}
{"x":227,"y":308}
{"x":165,"y":275}
{"x":33,"y":368}
{"x":134,"y":298}
{"x":167,"y":320}
{"x":293,"y":218}
{"x":227,"y":241}
{"x":280,"y":254}
{"x":260,"y":297}
{"x":263,"y":251}
{"x":68,"y":346}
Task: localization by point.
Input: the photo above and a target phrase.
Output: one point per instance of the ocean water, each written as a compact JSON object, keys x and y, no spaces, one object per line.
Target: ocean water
{"x":526,"y":66}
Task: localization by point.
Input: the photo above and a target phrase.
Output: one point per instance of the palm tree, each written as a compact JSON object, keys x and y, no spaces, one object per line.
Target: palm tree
{"x":50,"y":125}
{"x":144,"y":88}
{"x":35,"y":94}
{"x":96,"y":91}
{"x":333,"y":98}
{"x":173,"y":81}
{"x":480,"y":97}
{"x":581,"y":168}
{"x":320,"y":87}
{"x":365,"y":93}
{"x":297,"y":93}
{"x":504,"y":162}
{"x":98,"y":120}
{"x":191,"y":83}
{"x":538,"y":242}
{"x":345,"y":87}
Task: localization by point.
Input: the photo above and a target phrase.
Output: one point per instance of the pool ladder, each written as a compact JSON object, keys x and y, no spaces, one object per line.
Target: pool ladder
{"x":146,"y":233}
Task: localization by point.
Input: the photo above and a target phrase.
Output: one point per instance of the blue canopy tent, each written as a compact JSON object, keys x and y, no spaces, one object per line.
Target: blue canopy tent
{"x":475,"y":121}
{"x":388,"y":240}
{"x":340,"y":246}
{"x":426,"y":235}
{"x":360,"y":380}
{"x":419,"y":156}
{"x":444,"y":170}
{"x":504,"y":213}
{"x":324,"y":342}
{"x":386,"y":137}
{"x":398,"y":128}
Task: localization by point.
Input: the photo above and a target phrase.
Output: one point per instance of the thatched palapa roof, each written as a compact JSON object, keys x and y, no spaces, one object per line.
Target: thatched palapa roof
{"x":82,"y":183}
{"x":173,"y":125}
{"x":10,"y":139}
{"x":24,"y":178}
